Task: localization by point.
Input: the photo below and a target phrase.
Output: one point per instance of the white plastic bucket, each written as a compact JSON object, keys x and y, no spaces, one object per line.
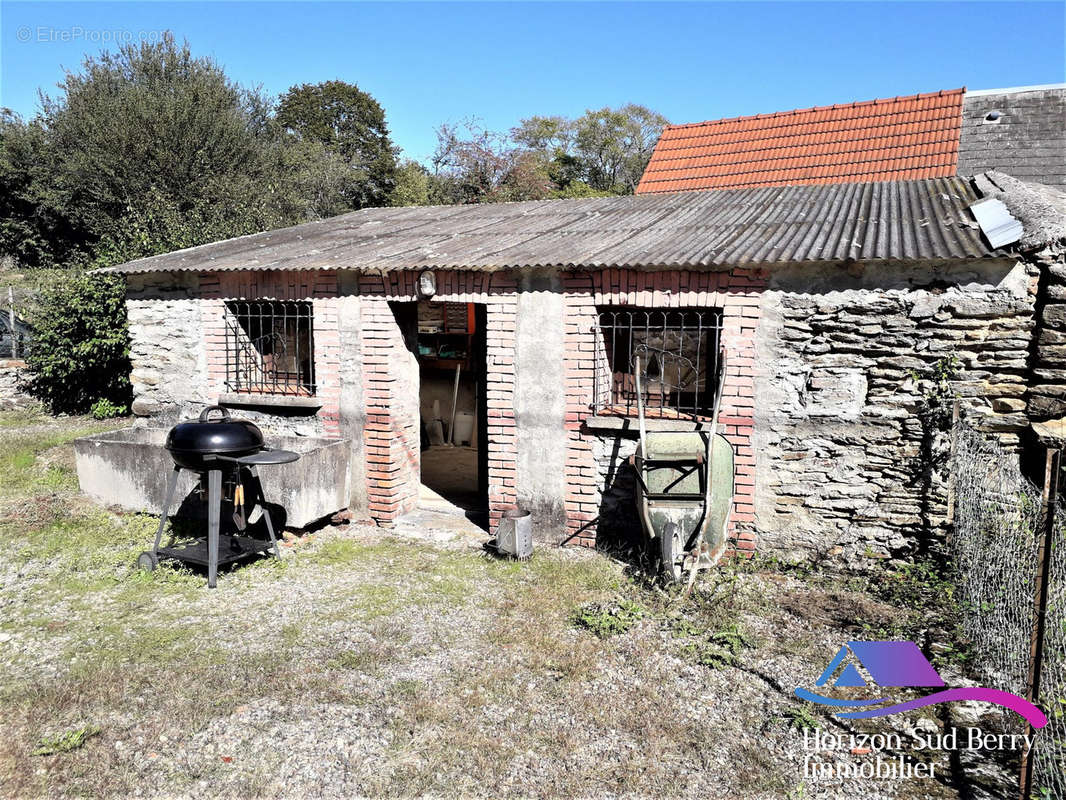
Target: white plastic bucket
{"x":464,"y":428}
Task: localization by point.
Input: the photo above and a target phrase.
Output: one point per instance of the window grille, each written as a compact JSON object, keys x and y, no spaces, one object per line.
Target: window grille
{"x":270,"y":347}
{"x":678,"y":351}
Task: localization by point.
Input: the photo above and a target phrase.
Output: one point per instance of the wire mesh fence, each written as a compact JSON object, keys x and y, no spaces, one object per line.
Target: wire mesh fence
{"x":994,"y":545}
{"x":1049,"y":752}
{"x":1000,"y":522}
{"x":14,"y":333}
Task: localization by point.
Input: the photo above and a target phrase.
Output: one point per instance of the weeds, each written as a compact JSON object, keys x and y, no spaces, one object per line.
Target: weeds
{"x":65,"y":742}
{"x":105,"y":409}
{"x":359,"y":660}
{"x":716,"y":650}
{"x":800,"y":718}
{"x":608,"y":620}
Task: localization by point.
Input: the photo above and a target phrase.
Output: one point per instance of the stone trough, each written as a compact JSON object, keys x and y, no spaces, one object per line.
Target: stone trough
{"x":128,"y":468}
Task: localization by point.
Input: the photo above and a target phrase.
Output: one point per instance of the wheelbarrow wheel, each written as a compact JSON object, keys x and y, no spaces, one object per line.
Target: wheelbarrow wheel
{"x":673,"y":553}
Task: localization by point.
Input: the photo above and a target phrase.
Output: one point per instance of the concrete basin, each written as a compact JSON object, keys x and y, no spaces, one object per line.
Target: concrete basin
{"x":128,"y":468}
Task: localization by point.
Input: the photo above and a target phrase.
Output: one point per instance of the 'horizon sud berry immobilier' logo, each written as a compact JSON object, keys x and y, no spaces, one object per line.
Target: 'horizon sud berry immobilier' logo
{"x":900,"y":664}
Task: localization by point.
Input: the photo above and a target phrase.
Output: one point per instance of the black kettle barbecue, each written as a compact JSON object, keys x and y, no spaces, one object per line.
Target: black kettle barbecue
{"x":210,"y":446}
{"x":193,"y":444}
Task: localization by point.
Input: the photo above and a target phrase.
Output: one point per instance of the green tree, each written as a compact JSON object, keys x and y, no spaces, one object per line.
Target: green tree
{"x":153,"y":124}
{"x":613,"y":146}
{"x":30,"y":231}
{"x":350,"y":123}
{"x":80,"y":350}
{"x":546,"y":134}
{"x":412,"y":185}
{"x":475,"y":165}
{"x":605,"y":150}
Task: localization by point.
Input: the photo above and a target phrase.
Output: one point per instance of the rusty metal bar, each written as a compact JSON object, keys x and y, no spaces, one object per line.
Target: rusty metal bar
{"x":678,"y":369}
{"x":267,"y":343}
{"x":1049,"y":504}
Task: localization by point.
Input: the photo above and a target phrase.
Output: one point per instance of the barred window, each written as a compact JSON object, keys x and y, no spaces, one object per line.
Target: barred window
{"x":270,"y":347}
{"x":678,"y":353}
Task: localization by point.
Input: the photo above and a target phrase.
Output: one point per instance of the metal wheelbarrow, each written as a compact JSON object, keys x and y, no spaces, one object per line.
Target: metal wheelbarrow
{"x":685,"y":490}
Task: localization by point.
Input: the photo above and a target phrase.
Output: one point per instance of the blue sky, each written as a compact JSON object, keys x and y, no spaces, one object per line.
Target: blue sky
{"x":430,"y":63}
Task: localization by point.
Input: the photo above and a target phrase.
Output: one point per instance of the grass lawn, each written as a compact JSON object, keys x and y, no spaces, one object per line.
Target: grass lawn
{"x":370,"y":663}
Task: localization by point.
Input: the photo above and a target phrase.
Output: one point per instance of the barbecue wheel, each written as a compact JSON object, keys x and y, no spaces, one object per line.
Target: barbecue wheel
{"x":148,"y":561}
{"x":673,"y":552}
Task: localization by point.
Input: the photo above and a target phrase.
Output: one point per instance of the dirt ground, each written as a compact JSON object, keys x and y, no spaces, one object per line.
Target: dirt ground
{"x":410,"y":662}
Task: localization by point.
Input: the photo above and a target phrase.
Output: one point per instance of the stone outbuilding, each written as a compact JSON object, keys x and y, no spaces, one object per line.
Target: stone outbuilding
{"x":833,"y":303}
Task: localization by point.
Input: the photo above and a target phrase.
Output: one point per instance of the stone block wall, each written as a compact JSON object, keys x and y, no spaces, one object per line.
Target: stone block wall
{"x":177,"y":344}
{"x":1047,"y":395}
{"x":13,"y":376}
{"x":821,"y":403}
{"x":167,"y":348}
{"x":843,"y":448}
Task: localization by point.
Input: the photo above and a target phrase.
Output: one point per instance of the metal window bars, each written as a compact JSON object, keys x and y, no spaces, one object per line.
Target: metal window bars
{"x":678,"y":350}
{"x":270,"y":347}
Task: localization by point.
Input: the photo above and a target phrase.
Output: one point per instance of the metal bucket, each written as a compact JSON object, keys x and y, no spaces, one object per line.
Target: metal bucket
{"x":514,"y":536}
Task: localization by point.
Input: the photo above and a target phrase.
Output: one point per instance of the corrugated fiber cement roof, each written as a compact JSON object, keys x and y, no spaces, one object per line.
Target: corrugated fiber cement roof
{"x":892,"y":221}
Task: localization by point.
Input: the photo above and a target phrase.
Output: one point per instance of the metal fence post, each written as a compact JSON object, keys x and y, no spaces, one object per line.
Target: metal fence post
{"x":11,"y":320}
{"x":1049,"y":504}
{"x":952,"y":487}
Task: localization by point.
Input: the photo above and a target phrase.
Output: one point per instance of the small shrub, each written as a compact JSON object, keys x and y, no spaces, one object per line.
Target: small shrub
{"x":65,"y":742}
{"x":608,"y":620}
{"x":80,"y":351}
{"x":717,"y":650}
{"x":801,"y":719}
{"x":105,"y":409}
{"x":707,"y":654}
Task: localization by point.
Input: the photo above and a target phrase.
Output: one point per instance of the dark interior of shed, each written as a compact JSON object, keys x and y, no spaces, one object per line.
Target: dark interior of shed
{"x":451,"y":360}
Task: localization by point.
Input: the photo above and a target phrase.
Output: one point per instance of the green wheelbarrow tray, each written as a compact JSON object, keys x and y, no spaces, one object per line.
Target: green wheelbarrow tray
{"x":673,"y":496}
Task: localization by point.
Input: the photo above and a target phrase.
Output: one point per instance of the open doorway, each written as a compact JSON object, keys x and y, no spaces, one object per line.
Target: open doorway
{"x":452,"y":408}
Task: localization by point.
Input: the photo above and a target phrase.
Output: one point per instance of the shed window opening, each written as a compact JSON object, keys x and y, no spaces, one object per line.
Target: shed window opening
{"x":677,"y":351}
{"x":270,"y":347}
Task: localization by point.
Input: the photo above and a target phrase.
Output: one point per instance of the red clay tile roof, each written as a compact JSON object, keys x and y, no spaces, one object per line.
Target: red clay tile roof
{"x":901,"y":138}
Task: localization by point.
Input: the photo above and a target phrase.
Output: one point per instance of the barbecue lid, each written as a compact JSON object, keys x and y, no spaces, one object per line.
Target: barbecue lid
{"x":223,"y":435}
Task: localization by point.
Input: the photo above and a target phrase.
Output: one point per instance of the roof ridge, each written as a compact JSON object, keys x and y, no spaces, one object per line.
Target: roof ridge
{"x":834,"y":107}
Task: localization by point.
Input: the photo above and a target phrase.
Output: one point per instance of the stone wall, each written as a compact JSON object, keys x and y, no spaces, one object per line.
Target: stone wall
{"x":167,"y":347}
{"x":1047,"y":395}
{"x":13,"y":376}
{"x":177,"y":346}
{"x":823,"y":400}
{"x":843,"y":447}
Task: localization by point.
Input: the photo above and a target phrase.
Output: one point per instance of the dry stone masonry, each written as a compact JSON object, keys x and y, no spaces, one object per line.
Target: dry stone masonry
{"x":846,"y":454}
{"x":13,"y":378}
{"x":1047,"y":396}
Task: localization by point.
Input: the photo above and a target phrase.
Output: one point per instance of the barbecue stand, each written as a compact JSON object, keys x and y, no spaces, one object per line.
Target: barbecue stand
{"x":220,"y":548}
